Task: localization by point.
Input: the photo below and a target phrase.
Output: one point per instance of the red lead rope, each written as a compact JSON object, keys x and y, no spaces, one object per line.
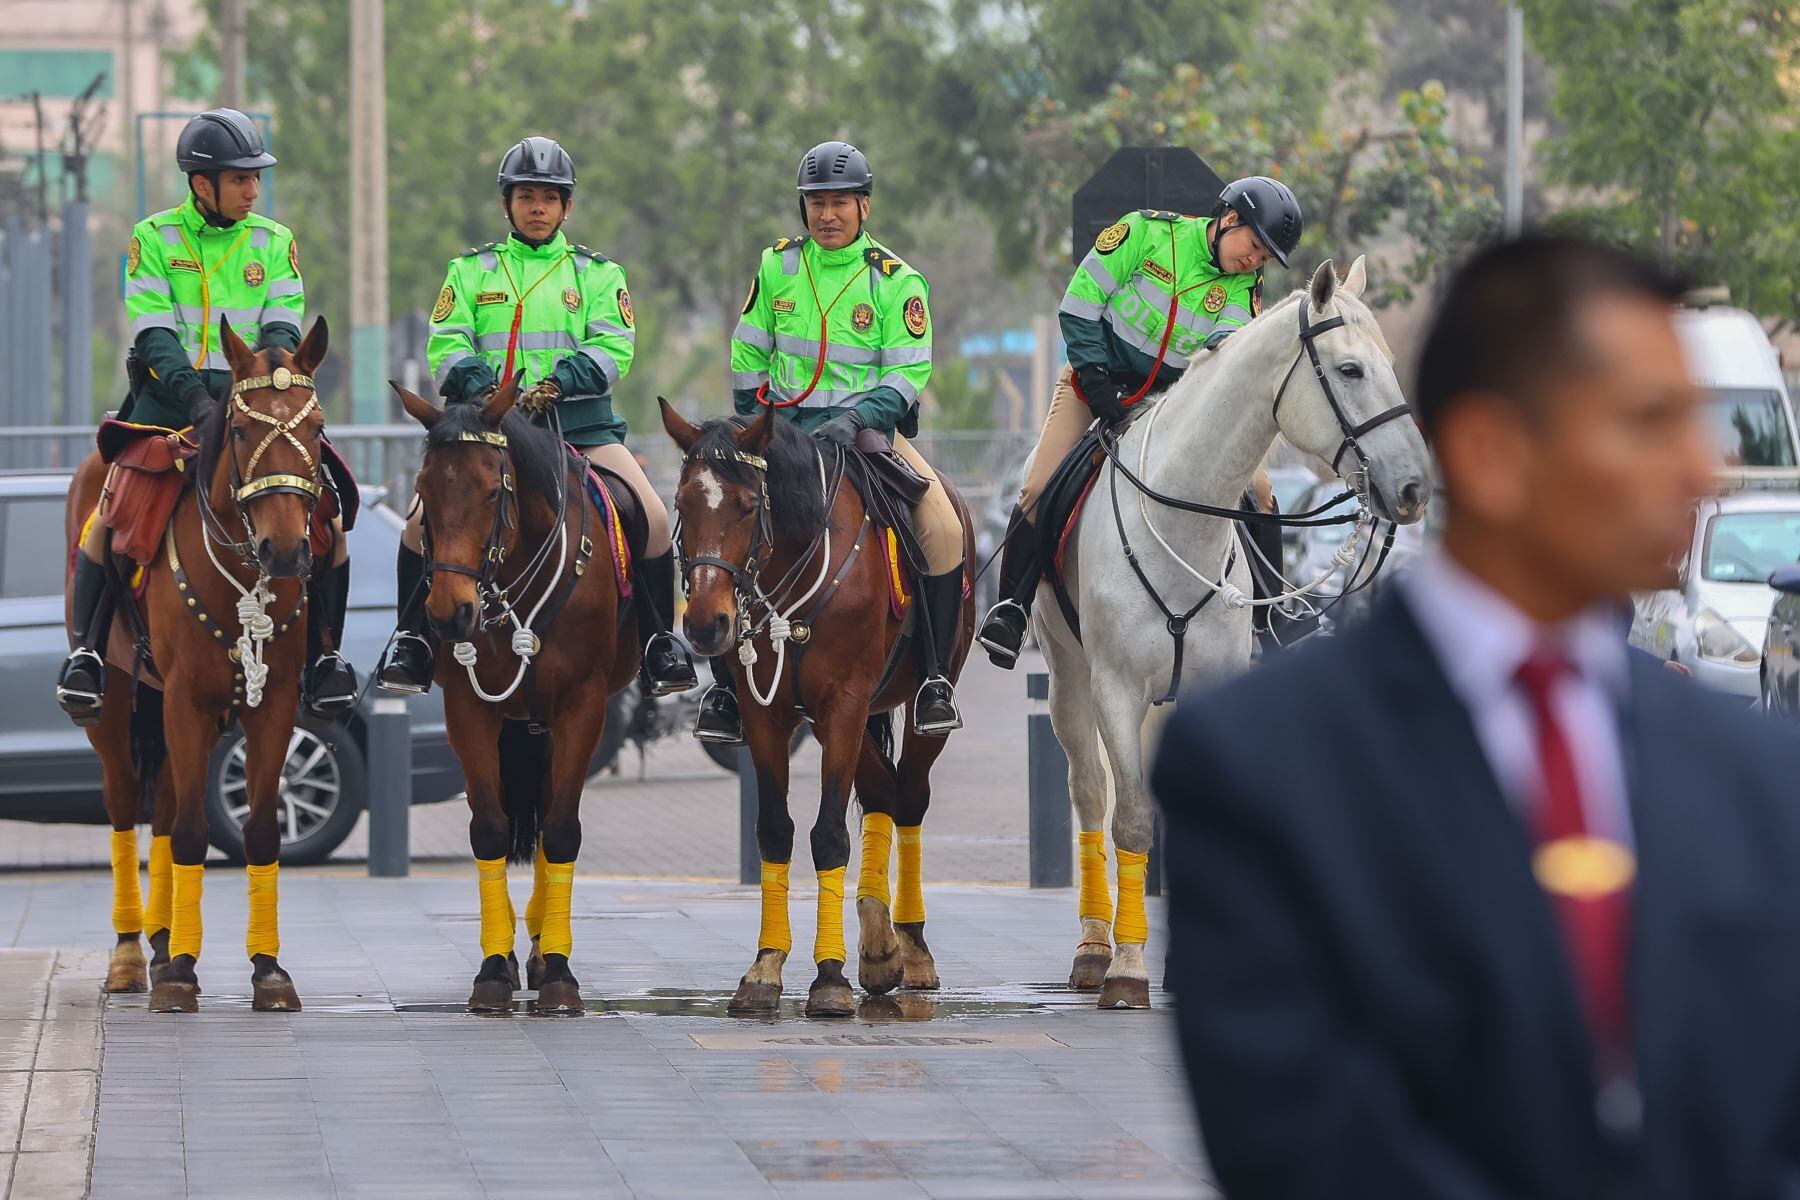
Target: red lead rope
{"x":1162,"y":351}
{"x":762,"y":393}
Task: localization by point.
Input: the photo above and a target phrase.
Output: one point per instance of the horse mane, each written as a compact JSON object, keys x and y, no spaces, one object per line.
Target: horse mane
{"x":796,"y":499}
{"x":212,"y":426}
{"x":537,"y":453}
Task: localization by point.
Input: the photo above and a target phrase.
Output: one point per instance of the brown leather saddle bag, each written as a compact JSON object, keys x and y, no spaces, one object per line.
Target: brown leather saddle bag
{"x":144,"y":480}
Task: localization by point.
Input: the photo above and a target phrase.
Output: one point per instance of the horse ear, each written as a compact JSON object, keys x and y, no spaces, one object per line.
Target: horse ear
{"x":241,"y":357}
{"x":312,"y":348}
{"x":682,"y":431}
{"x":501,"y":403}
{"x":1324,"y":286}
{"x":1358,"y":278}
{"x":417,"y":407}
{"x":755,"y":437}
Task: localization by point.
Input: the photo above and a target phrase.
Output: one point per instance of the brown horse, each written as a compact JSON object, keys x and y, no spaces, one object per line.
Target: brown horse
{"x":768,"y":523}
{"x":226,"y":631}
{"x":523,"y":570}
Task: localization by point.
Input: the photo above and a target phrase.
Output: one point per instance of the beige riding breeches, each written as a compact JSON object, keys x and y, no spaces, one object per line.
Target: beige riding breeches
{"x":934,"y":520}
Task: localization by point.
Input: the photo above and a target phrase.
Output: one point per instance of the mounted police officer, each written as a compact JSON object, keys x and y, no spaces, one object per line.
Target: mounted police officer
{"x":184,"y":268}
{"x":560,"y":314}
{"x":864,"y":373}
{"x":1114,"y":319}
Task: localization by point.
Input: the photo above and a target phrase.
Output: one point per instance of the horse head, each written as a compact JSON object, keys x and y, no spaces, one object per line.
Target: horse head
{"x":724,"y":517}
{"x":1342,"y":402}
{"x":467,"y":483}
{"x":272,"y":427}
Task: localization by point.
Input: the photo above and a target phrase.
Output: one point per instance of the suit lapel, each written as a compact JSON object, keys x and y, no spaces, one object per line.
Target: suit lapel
{"x":1464,"y":804}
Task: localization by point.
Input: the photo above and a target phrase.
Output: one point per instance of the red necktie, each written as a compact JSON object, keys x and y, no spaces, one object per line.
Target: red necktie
{"x":1588,"y":877}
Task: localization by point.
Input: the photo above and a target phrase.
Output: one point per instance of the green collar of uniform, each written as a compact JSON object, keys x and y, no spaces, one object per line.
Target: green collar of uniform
{"x":195,"y":222}
{"x":556,"y":247}
{"x":837,"y":258}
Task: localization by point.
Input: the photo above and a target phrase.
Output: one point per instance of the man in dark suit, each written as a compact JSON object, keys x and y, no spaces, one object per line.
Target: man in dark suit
{"x":1469,"y":902}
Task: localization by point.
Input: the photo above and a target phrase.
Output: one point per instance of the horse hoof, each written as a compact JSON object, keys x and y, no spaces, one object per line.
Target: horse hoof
{"x":1089,"y":972}
{"x":491,"y":996}
{"x":534,"y":968}
{"x":559,"y":998}
{"x":1122,"y":992}
{"x":880,"y":975}
{"x":175,"y":997}
{"x":126,"y":972}
{"x":512,"y":969}
{"x":277,"y":995}
{"x":755,"y":998}
{"x":831,"y":1000}
{"x":921,"y":975}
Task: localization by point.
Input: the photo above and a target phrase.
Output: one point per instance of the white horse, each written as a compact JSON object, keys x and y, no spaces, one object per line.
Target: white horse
{"x":1315,"y":368}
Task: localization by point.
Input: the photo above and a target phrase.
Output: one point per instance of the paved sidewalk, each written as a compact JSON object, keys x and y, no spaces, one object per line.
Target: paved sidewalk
{"x":50,"y":1008}
{"x":1003,"y":1085}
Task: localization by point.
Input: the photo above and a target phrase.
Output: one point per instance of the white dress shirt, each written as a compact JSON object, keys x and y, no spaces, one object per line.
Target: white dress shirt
{"x":1480,"y":640}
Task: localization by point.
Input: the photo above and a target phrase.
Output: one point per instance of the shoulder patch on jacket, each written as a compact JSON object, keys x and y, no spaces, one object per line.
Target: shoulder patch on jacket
{"x":883,"y":260}
{"x":789,"y":243}
{"x":590,"y":252}
{"x":472,"y":251}
{"x":1158,"y":214}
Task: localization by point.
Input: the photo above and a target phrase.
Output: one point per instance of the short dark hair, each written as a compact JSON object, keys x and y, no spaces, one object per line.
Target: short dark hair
{"x":1506,"y":318}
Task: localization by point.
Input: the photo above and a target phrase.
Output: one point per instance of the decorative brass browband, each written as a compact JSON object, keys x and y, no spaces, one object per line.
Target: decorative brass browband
{"x":491,"y":439}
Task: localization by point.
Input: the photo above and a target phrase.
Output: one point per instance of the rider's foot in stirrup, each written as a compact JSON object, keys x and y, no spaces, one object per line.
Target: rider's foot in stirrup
{"x":329,"y":687}
{"x":408,"y":667}
{"x":667,"y":667}
{"x":1002,"y":634}
{"x":719,"y":719}
{"x":934,"y":708}
{"x":81,"y":686}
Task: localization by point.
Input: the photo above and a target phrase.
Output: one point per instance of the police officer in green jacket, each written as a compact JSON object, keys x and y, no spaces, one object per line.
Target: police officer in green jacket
{"x":865,"y":373}
{"x":184,"y":269}
{"x":1114,"y":317}
{"x":576,"y":335}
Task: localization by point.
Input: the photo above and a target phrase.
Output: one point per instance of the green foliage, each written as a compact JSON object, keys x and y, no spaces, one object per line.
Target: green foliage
{"x":1680,"y":133}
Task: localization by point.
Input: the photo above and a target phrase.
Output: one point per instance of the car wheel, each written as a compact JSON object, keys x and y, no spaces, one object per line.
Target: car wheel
{"x":727,"y":756}
{"x":323,"y":786}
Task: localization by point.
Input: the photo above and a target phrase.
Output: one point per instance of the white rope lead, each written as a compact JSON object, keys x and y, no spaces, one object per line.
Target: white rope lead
{"x":524,"y":642}
{"x":255,"y":626}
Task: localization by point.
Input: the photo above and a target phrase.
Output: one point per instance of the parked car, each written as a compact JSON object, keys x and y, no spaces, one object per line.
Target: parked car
{"x":1780,"y":668}
{"x":1714,"y":621}
{"x":1732,"y":360}
{"x":48,"y":772}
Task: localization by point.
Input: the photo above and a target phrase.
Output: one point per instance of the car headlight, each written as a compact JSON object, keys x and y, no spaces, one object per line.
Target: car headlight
{"x":1719,"y":641}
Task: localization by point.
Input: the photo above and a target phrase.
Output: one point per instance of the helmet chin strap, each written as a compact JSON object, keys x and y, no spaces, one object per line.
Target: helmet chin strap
{"x":534,"y":243}
{"x":211,"y":215}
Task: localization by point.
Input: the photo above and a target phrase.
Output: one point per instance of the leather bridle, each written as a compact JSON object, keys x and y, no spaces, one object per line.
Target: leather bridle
{"x":745,"y":578}
{"x":1309,"y":332}
{"x":505,"y":517}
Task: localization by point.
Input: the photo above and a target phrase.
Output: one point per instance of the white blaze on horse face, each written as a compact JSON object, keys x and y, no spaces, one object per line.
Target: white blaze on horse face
{"x":709,"y":487}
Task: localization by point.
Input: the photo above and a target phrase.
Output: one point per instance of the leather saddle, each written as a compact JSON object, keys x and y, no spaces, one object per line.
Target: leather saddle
{"x":890,"y":490}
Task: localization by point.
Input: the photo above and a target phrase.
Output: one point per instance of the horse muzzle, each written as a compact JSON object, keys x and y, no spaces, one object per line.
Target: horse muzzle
{"x":708,"y":635}
{"x":284,"y":562}
{"x":458,"y":626}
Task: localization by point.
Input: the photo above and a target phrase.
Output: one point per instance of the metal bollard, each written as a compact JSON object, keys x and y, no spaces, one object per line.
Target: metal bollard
{"x":390,"y":786}
{"x":749,"y":852}
{"x":1153,"y":874}
{"x":1052,"y":818}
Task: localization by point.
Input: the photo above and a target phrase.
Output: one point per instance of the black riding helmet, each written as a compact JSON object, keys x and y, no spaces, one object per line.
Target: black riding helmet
{"x":221,"y":139}
{"x":1269,"y":209}
{"x":833,"y":167}
{"x":537,"y":160}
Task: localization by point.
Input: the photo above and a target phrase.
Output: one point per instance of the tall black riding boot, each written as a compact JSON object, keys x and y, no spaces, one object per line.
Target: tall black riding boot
{"x":1002,"y":633}
{"x":719,"y":719}
{"x":82,"y":683}
{"x":934,"y":708}
{"x":667,"y":667}
{"x":329,"y":686}
{"x":408,"y":665}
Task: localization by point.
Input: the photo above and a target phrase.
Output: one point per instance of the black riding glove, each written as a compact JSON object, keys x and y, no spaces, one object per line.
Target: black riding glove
{"x":1101,"y":393}
{"x":196,"y":396}
{"x":840,"y":431}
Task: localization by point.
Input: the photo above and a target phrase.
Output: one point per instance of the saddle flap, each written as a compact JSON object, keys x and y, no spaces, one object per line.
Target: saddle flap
{"x":890,"y":490}
{"x":149,"y":448}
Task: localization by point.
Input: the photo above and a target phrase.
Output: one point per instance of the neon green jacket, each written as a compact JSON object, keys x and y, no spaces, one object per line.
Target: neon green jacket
{"x":1117,"y":306}
{"x":877,"y":353}
{"x":577,"y":327}
{"x":181,"y":274}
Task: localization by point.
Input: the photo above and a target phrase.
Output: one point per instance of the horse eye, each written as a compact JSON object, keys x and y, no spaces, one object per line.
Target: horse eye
{"x":237,"y":435}
{"x":1351,"y":370}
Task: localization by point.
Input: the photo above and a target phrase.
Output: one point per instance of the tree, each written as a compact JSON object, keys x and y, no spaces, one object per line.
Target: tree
{"x":1681,"y":135}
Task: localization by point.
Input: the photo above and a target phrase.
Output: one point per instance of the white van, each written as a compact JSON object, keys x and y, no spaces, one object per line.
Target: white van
{"x":1731,"y":357}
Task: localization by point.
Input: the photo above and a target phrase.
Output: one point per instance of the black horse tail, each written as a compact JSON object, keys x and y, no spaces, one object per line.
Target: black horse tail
{"x":881,"y":736}
{"x":524,"y":768}
{"x":149,"y":745}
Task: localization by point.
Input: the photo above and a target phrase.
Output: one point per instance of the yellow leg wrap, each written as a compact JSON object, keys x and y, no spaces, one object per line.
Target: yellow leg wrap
{"x":1096,"y":900}
{"x":534,"y":907}
{"x":128,"y":900}
{"x":1134,"y":923}
{"x":829,"y":942}
{"x":497,"y":923}
{"x":263,"y":935}
{"x":775,"y":933}
{"x":877,"y":850}
{"x":162,"y":886}
{"x":559,"y":884}
{"x":909,"y":899}
{"x":185,"y":930}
